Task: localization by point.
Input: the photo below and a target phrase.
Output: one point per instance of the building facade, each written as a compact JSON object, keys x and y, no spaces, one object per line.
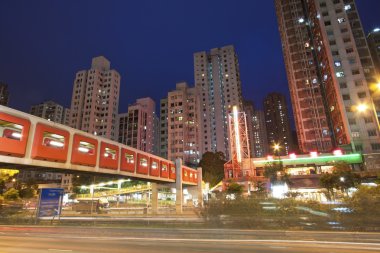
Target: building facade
{"x":95,"y":99}
{"x":217,"y":79}
{"x":260,"y":139}
{"x":137,"y":126}
{"x":362,"y":48}
{"x":328,"y":80}
{"x":51,"y":111}
{"x":277,"y":123}
{"x":182,"y":122}
{"x":373,"y":40}
{"x":4,"y":94}
{"x":164,"y":128}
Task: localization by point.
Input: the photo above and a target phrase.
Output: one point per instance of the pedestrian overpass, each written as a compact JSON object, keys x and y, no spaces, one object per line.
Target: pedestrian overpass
{"x":30,"y":142}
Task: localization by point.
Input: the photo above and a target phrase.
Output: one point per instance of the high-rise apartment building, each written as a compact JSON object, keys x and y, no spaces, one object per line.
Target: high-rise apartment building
{"x":66,"y":117}
{"x":182,"y":122}
{"x":277,"y":123}
{"x":362,"y":48}
{"x":164,"y":128}
{"x":95,"y":99}
{"x":373,"y":40}
{"x":137,"y":126}
{"x":4,"y":94}
{"x":217,"y":79}
{"x":328,"y":69}
{"x":50,"y":110}
{"x":260,"y":139}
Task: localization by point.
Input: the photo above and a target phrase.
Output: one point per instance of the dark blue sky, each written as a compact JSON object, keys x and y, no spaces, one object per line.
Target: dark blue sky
{"x":149,"y":42}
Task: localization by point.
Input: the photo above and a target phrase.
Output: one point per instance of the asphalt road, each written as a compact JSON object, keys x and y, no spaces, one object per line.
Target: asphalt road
{"x":108,"y":240}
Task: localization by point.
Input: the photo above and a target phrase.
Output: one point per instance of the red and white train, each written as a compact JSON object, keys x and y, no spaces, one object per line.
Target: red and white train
{"x":26,"y":140}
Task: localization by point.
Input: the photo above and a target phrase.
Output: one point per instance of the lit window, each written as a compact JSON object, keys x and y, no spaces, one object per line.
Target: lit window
{"x":87,"y":148}
{"x":338,"y":63}
{"x":129,"y":158}
{"x":143,"y":162}
{"x":53,"y":140}
{"x":10,"y":130}
{"x":340,"y":74}
{"x":347,"y":7}
{"x":110,"y":153}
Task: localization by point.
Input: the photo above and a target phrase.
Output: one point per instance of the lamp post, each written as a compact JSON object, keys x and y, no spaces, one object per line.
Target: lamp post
{"x":359,"y":109}
{"x":276,"y":148}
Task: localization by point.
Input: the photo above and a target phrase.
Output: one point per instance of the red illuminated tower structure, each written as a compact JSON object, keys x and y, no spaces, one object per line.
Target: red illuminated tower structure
{"x":239,"y":168}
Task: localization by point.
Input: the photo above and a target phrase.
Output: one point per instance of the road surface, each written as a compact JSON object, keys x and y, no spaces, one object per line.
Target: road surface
{"x":140,"y":240}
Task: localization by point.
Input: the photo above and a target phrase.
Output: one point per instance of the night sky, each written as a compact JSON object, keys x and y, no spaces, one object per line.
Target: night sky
{"x":150,"y":43}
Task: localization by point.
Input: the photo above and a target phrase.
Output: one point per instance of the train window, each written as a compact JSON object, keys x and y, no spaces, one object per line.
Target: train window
{"x":10,"y":130}
{"x":110,"y":153}
{"x":129,"y":158}
{"x":143,"y":162}
{"x":154,"y":165}
{"x":87,"y":148}
{"x":172,"y":169}
{"x":53,"y":140}
{"x":164,"y":167}
{"x":191,"y":174}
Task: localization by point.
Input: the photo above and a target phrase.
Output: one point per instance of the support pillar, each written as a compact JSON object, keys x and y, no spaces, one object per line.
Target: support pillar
{"x":154,"y":198}
{"x":178,"y":186}
{"x":199,"y":187}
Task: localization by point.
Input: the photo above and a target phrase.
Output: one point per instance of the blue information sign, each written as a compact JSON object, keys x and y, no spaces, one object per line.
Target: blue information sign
{"x":50,"y":202}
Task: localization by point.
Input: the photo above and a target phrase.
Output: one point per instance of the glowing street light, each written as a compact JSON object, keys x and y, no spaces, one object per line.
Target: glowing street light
{"x":276,"y":147}
{"x":362,"y":107}
{"x":337,"y":152}
{"x":314,"y":154}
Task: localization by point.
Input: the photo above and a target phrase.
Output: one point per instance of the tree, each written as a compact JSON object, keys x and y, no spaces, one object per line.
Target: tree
{"x":328,"y":181}
{"x":342,"y":178}
{"x":5,"y":176}
{"x":27,"y":193}
{"x":366,"y":200}
{"x":212,"y":167}
{"x":234,"y":188}
{"x":11,"y":194}
{"x":275,"y":172}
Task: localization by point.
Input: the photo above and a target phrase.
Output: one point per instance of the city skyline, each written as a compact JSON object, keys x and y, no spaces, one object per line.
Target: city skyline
{"x":53,"y":70}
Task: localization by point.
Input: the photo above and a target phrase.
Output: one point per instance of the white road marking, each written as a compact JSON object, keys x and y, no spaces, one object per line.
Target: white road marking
{"x":223,"y":240}
{"x":62,"y":250}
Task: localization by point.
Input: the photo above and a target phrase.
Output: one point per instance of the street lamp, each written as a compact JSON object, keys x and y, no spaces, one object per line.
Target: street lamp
{"x":378,"y":85}
{"x":361,"y":108}
{"x":276,"y":147}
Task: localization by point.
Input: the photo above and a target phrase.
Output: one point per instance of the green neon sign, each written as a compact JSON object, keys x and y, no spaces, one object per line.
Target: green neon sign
{"x":349,"y":158}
